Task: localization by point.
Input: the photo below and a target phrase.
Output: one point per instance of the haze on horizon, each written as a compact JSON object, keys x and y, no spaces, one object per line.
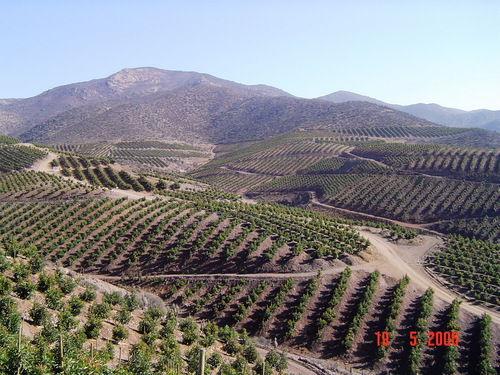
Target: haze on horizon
{"x":443,"y":52}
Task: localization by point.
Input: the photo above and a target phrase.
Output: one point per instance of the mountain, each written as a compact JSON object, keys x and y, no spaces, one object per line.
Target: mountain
{"x":346,"y":96}
{"x":19,"y":115}
{"x":481,"y":118}
{"x":150,"y":103}
{"x":209,"y":113}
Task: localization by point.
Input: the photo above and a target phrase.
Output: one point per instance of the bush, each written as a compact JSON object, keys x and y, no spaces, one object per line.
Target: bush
{"x":100,"y":310}
{"x":39,"y":314}
{"x":147,"y":325}
{"x":130,"y":302}
{"x":250,"y":353}
{"x":119,"y":333}
{"x":214,"y":360}
{"x":53,"y":298}
{"x":75,"y":305}
{"x":66,"y":322}
{"x":88,"y":295}
{"x":123,"y":316}
{"x":5,"y":285}
{"x":45,"y":282}
{"x":113,"y":298}
{"x":21,"y":271}
{"x":25,"y":289}
{"x":92,"y":327}
{"x":231,"y":347}
{"x":36,"y":263}
{"x":67,"y":285}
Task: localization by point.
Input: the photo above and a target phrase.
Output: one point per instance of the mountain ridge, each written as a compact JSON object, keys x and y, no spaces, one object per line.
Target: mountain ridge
{"x":208,"y":113}
{"x":479,"y":118}
{"x":151,"y":103}
{"x":19,"y":115}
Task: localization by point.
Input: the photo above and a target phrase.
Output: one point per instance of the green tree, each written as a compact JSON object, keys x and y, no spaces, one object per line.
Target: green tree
{"x":25,"y":289}
{"x":119,"y":333}
{"x":39,"y":314}
{"x":53,"y":298}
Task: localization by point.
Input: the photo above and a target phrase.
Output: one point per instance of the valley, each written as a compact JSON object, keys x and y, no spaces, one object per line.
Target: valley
{"x":282,"y":235}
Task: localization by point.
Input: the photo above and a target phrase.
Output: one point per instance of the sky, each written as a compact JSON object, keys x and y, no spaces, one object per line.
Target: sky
{"x":397,"y":51}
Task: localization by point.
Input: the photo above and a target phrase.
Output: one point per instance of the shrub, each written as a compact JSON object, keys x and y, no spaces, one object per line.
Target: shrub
{"x":113,"y":298}
{"x":39,"y":314}
{"x":75,"y":305}
{"x":123,"y":316}
{"x":119,"y":333}
{"x":53,"y":298}
{"x":25,"y":289}
{"x":67,"y":285}
{"x":5,"y":285}
{"x":92,"y":327}
{"x":88,"y":295}
{"x":45,"y":282}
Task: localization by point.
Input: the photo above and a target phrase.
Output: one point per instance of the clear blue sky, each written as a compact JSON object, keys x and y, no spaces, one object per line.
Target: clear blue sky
{"x":398,"y":51}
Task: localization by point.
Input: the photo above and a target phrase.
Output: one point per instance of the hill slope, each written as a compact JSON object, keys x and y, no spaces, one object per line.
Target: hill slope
{"x":19,"y":115}
{"x":482,"y":118}
{"x":208,"y":113}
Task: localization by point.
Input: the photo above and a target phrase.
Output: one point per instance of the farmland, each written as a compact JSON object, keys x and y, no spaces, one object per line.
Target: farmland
{"x":446,"y":188}
{"x":317,"y":285}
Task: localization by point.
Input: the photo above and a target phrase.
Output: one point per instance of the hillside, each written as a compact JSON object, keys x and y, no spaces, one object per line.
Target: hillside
{"x":481,"y":118}
{"x":209,"y":114}
{"x":318,"y":286}
{"x":371,"y":171}
{"x":19,"y":115}
{"x":56,"y":321}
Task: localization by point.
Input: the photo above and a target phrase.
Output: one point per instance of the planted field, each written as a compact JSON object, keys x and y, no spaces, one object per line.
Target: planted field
{"x":451,"y":189}
{"x":226,"y":179}
{"x":152,"y":154}
{"x":15,"y":157}
{"x":403,"y":197}
{"x":486,"y":228}
{"x":478,"y":164}
{"x":336,"y":316}
{"x":404,"y":132}
{"x":53,"y":323}
{"x":471,"y":266}
{"x":272,"y":270}
{"x":174,"y":235}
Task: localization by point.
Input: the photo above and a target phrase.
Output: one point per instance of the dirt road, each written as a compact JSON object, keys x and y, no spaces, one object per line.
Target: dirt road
{"x":418,"y":276}
{"x":43,"y":165}
{"x":389,"y":260}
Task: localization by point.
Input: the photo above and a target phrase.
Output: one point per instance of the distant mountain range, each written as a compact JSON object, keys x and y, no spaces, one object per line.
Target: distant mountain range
{"x":150,"y":103}
{"x":481,"y":118}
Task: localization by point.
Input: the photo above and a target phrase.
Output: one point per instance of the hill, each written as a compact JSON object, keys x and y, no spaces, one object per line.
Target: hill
{"x":19,"y":115}
{"x":320,"y":287}
{"x":60,"y":322}
{"x":209,"y":114}
{"x":371,"y":171}
{"x":482,"y":118}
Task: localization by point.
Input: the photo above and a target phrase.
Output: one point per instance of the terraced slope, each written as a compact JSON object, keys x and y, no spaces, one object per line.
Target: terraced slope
{"x":449,"y":189}
{"x":332,"y":317}
{"x":54,"y":323}
{"x":278,"y":272}
{"x":146,"y":155}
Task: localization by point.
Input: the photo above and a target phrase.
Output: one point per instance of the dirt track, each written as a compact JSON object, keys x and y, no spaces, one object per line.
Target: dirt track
{"x":420,"y":277}
{"x":389,"y":261}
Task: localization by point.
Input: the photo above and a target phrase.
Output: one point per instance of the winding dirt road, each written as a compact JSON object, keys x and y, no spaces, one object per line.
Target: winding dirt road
{"x":421,"y":278}
{"x":389,"y":261}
